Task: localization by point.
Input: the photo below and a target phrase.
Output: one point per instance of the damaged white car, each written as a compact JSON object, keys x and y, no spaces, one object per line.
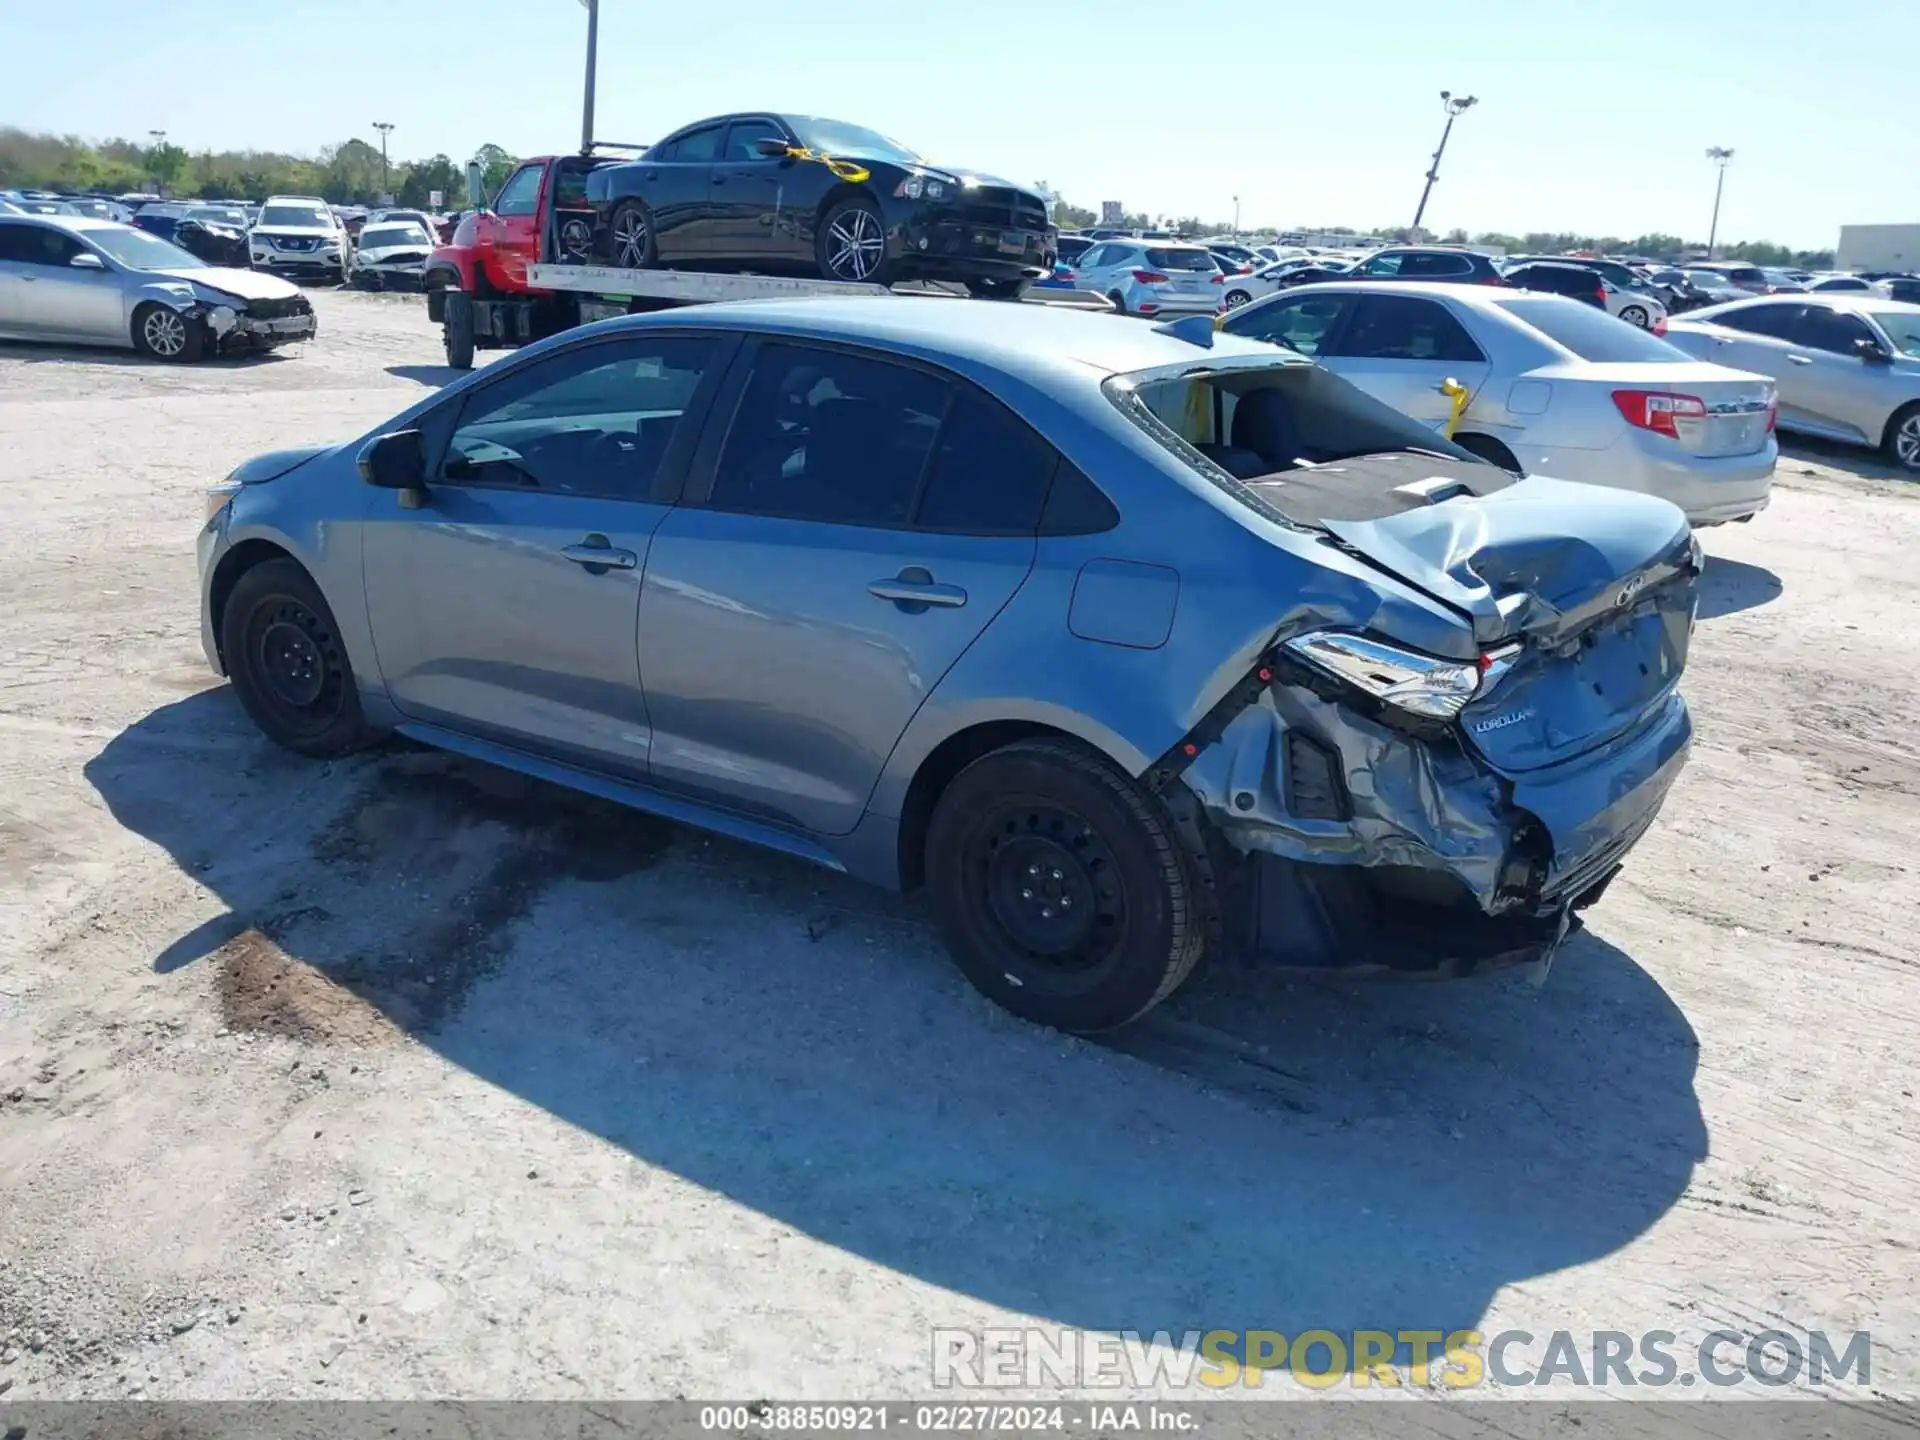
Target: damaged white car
{"x":392,"y":256}
{"x":94,"y":282}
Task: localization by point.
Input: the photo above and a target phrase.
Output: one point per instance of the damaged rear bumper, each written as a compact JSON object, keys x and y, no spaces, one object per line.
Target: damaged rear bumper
{"x":1353,"y":845}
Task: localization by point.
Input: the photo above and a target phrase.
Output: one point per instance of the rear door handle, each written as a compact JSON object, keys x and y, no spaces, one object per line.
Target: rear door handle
{"x":601,"y":556}
{"x":914,"y":589}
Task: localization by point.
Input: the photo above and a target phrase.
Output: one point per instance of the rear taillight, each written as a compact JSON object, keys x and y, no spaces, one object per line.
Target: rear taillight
{"x":1660,"y":411}
{"x":1660,"y":326}
{"x":1773,"y":416}
{"x":1218,"y":278}
{"x":1149,"y":277}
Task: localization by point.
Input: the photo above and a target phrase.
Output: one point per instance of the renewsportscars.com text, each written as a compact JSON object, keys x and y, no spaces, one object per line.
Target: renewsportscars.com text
{"x":1454,"y":1360}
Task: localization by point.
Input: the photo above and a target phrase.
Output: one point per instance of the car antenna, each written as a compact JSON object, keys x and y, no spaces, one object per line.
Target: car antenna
{"x":1194,"y":329}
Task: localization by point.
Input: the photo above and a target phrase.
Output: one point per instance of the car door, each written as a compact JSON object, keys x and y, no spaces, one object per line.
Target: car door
{"x":513,"y":229}
{"x":1403,"y":349}
{"x":678,"y":188}
{"x":1755,"y":337}
{"x":1837,"y":388}
{"x":750,"y":222}
{"x":506,"y":606}
{"x":52,"y":295}
{"x":828,"y":567}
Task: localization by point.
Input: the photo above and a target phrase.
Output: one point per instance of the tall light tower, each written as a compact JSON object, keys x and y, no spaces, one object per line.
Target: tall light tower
{"x":1721,"y":157}
{"x":1455,"y":108}
{"x":385,"y":127}
{"x":1236,"y":218}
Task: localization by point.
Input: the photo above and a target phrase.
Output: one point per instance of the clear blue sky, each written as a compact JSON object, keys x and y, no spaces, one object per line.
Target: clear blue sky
{"x":1593,"y":117}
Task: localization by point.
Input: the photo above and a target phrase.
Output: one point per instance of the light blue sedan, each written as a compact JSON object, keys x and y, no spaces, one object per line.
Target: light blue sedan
{"x":1128,"y":643}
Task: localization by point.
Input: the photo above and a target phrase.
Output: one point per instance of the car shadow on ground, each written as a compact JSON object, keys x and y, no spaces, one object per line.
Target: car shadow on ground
{"x":1257,"y":1154}
{"x":432,"y":376}
{"x":1730,"y":586}
{"x":33,"y":352}
{"x":1855,"y":459}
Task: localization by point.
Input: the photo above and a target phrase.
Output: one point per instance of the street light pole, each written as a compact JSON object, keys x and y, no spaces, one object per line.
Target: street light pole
{"x":1455,"y":109}
{"x":1720,"y":155}
{"x":159,"y":142}
{"x":385,"y":128}
{"x":1236,"y":219}
{"x":593,"y":55}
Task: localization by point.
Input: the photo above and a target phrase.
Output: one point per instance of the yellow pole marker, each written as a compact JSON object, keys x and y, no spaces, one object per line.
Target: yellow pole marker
{"x":1459,"y":395}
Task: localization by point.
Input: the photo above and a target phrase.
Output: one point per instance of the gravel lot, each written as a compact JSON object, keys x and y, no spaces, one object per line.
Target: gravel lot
{"x":405,"y":1078}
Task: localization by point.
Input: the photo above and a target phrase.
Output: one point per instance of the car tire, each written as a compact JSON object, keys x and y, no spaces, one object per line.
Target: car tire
{"x":1902,"y":441}
{"x":456,"y":330}
{"x":287,"y":664}
{"x":1119,"y":302}
{"x":1022,"y":836}
{"x":1236,"y":298}
{"x":1636,"y":316}
{"x":162,"y":333}
{"x":630,"y":243}
{"x":845,"y":241}
{"x":1490,"y":450}
{"x":998,"y":289}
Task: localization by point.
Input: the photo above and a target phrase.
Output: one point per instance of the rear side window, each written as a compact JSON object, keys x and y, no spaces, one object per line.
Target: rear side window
{"x":830,"y":436}
{"x":989,"y":474}
{"x":1772,"y":320}
{"x":697,"y":145}
{"x":1591,"y":333}
{"x":1400,"y":327}
{"x":1180,"y":260}
{"x":1419,"y":267}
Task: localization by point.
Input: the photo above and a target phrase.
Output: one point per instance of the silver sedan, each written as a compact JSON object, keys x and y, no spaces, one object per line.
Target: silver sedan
{"x":1848,"y":366}
{"x":1553,"y":387}
{"x":97,"y":282}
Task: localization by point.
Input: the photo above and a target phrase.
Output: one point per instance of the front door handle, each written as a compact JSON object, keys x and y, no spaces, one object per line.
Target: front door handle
{"x":1801,"y":359}
{"x":914,"y":590}
{"x":596,"y":554}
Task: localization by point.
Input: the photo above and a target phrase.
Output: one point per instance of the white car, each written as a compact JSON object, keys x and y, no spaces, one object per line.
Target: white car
{"x":298,"y":235}
{"x":1244,"y":289}
{"x":1641,"y":309}
{"x":1554,"y":387}
{"x":1838,"y":283}
{"x":391,"y":255}
{"x":1152,"y":277}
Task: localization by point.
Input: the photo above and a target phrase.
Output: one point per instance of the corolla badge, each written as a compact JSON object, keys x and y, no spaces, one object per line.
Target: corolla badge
{"x":1499,"y":722}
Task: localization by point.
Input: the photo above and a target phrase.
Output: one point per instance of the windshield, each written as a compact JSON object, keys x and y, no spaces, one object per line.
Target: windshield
{"x":836,"y":137}
{"x":137,"y":250}
{"x":376,"y":236}
{"x":1591,"y":333}
{"x":307,"y":215}
{"x":1903,"y":329}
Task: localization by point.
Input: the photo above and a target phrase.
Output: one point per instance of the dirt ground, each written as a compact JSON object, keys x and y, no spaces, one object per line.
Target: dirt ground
{"x":402,"y":1077}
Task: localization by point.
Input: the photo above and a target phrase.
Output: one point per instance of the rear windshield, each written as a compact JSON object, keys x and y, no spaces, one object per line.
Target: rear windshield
{"x":1292,"y":441}
{"x":1180,"y":260}
{"x":1591,"y":333}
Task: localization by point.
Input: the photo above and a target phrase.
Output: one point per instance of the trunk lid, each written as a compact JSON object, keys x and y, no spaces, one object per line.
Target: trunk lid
{"x":1597,"y":587}
{"x":1737,"y":401}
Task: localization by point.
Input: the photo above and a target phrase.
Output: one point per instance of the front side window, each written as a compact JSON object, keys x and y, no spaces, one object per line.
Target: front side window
{"x":1383,"y":265}
{"x":521,"y":194}
{"x":830,"y":436}
{"x":1399,"y":327}
{"x":1301,"y":325}
{"x":743,"y":135}
{"x":1833,"y":331}
{"x":1421,"y":267}
{"x":593,"y":421}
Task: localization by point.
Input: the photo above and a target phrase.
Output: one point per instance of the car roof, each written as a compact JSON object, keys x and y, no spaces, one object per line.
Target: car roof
{"x":79,"y":224}
{"x":1033,"y":340}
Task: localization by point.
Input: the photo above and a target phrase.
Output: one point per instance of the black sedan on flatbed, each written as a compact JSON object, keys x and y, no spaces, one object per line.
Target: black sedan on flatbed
{"x":798,"y":194}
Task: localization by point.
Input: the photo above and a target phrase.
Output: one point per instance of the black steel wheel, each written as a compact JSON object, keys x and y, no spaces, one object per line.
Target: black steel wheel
{"x":851,"y":243}
{"x":1061,"y":888}
{"x":630,"y":237}
{"x":288,"y":666}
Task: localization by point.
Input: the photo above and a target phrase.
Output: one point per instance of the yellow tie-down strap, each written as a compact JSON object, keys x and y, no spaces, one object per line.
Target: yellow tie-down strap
{"x":846,"y":169}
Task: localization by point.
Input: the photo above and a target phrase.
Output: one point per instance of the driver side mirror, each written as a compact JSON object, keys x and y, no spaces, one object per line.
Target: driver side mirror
{"x":1871,"y":351}
{"x":770,"y":147}
{"x":397,"y":461}
{"x":87,"y":260}
{"x":476,"y":185}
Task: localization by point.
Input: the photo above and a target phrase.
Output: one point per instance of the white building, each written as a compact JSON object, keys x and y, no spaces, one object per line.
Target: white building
{"x":1878,"y":247}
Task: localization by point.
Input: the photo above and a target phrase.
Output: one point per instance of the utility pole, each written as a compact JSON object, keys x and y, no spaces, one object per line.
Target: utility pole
{"x":1721,"y":156}
{"x":385,"y":127}
{"x":593,"y":56}
{"x":1236,"y":219}
{"x":1455,"y":108}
